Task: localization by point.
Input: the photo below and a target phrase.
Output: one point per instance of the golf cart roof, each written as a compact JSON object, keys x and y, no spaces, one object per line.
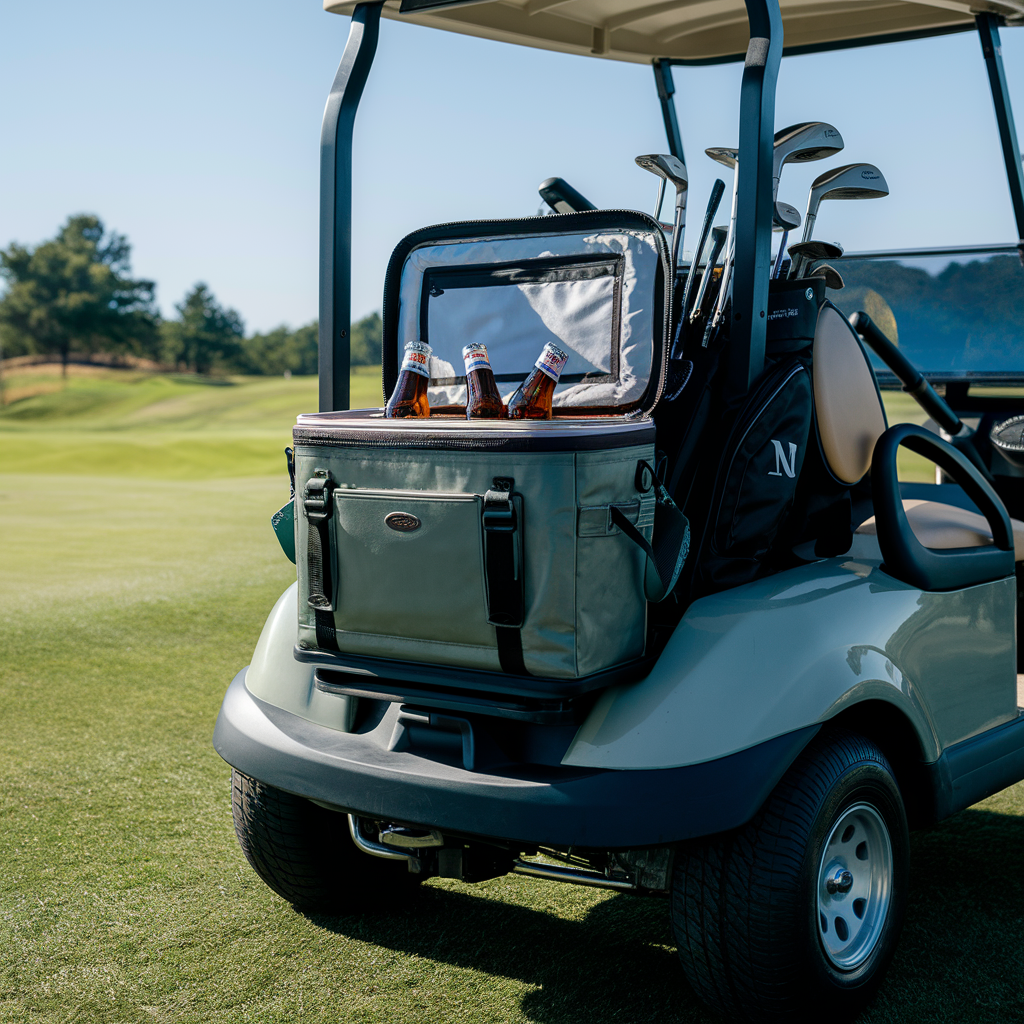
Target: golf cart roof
{"x":686,"y":31}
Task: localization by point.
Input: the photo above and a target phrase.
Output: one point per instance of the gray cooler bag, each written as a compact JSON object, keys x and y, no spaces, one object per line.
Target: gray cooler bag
{"x":521,"y":547}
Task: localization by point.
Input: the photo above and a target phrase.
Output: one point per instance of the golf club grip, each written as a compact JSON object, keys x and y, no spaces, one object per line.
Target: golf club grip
{"x":909,"y":375}
{"x":557,"y":190}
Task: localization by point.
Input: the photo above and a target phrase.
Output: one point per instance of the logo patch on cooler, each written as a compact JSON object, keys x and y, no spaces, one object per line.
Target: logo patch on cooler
{"x":403,"y":522}
{"x":782,"y":464}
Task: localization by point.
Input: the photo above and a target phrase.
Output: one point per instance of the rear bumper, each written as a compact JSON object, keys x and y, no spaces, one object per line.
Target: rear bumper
{"x":554,"y":806}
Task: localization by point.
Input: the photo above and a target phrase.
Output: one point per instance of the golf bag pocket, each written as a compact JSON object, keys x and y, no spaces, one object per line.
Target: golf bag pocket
{"x":518,"y":547}
{"x":757,"y":477}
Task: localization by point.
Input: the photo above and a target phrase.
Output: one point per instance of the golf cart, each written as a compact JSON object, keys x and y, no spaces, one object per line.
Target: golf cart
{"x":689,"y":636}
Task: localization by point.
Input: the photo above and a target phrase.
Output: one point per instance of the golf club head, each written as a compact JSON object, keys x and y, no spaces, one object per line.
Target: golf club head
{"x":800,"y":143}
{"x":851,"y":181}
{"x":666,"y":166}
{"x":816,"y":250}
{"x":833,"y":279}
{"x":786,"y":218}
{"x":724,"y":155}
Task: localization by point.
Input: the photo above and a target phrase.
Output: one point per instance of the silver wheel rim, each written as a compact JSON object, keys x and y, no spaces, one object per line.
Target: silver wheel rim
{"x":854,"y":886}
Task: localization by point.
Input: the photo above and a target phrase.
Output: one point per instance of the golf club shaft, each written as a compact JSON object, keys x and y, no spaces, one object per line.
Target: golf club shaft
{"x":729,"y":243}
{"x":709,"y":269}
{"x":661,"y":199}
{"x":717,"y":191}
{"x":782,"y":252}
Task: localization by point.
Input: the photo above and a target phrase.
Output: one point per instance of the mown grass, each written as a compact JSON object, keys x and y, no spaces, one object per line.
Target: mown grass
{"x":127,"y":602}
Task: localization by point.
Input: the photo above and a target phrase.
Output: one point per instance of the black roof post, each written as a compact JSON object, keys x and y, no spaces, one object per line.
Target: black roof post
{"x":754,"y":200}
{"x":336,"y":206}
{"x":988,"y":30}
{"x":666,"y":90}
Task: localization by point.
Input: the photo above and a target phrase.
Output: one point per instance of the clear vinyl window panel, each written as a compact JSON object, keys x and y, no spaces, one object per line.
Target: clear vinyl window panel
{"x":956,"y":314}
{"x":515,"y":309}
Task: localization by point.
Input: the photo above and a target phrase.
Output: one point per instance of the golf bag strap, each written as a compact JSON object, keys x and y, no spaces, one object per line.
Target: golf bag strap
{"x":666,"y":555}
{"x":316,"y":502}
{"x":504,"y":574}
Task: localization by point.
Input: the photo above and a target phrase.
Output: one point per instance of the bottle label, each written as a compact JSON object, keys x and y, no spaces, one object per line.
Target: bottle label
{"x":417,"y":358}
{"x":476,"y":358}
{"x":552,"y":361}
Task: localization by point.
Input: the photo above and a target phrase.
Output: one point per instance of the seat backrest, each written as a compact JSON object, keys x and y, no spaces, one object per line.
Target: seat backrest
{"x":848,"y":408}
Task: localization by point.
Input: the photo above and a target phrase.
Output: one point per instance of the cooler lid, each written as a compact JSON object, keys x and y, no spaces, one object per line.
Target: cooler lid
{"x":594,"y":284}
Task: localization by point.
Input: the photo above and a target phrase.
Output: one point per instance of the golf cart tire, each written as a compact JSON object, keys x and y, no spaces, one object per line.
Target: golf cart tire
{"x":305,"y":853}
{"x":745,"y":905}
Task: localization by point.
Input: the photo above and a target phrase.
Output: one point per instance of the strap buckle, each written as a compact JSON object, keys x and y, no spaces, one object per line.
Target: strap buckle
{"x":499,"y":515}
{"x":316,"y":499}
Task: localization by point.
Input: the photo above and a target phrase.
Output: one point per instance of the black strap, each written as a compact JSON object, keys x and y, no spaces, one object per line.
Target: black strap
{"x":671,"y":539}
{"x":503,"y":567}
{"x":316,"y":502}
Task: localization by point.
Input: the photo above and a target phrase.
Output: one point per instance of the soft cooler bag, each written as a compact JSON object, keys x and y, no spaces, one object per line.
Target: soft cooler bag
{"x":510,"y":546}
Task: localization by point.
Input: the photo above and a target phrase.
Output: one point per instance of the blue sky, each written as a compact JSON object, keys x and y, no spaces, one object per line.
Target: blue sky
{"x":194,"y":129}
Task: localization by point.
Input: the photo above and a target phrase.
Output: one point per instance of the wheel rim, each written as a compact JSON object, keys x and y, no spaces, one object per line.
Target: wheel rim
{"x":854,"y":886}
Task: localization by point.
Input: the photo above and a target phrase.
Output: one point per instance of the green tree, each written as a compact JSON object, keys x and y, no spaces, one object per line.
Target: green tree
{"x":75,"y":293}
{"x":205,"y":335}
{"x":367,"y":340}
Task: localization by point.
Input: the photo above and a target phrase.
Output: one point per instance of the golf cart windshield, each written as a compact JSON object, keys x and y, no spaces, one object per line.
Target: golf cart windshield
{"x":954,"y":311}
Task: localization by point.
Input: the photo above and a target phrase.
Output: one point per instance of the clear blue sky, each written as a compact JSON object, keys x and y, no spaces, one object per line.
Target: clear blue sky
{"x":194,"y":128}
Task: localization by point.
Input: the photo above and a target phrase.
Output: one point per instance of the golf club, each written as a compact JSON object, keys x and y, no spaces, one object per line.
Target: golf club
{"x":718,"y":236}
{"x":729,"y":158}
{"x":562,"y":197}
{"x":852,"y":181}
{"x":787,"y":218}
{"x":801,"y":143}
{"x":804,"y":254}
{"x":833,"y":279}
{"x":670,"y":168}
{"x":717,"y":191}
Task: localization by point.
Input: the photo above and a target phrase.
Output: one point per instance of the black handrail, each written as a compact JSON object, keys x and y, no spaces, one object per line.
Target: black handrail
{"x":336,"y":205}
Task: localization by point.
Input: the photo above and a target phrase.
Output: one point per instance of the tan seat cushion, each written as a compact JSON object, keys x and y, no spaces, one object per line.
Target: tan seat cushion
{"x":945,"y":526}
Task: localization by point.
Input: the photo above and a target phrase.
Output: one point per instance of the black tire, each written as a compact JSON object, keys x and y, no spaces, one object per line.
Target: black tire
{"x":305,"y":853}
{"x":745,"y":905}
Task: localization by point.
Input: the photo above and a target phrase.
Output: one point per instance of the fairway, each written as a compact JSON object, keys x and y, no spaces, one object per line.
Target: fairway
{"x":137,"y":567}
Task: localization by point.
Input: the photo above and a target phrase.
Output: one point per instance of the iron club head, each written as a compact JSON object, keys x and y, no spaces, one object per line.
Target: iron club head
{"x":668,"y":167}
{"x":833,"y":279}
{"x":851,"y":181}
{"x":723,"y":155}
{"x":786,"y":218}
{"x":801,"y":143}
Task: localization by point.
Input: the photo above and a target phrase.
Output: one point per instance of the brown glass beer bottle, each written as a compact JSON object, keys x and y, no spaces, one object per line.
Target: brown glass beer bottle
{"x":483,"y":400}
{"x":533,"y":399}
{"x":410,"y":395}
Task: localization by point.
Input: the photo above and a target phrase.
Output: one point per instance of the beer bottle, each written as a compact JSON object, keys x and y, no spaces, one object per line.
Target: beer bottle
{"x":533,"y":399}
{"x":410,"y":395}
{"x":483,"y":399}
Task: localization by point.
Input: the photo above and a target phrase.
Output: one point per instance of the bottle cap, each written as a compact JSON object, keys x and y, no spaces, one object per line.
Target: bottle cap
{"x":475,"y":356}
{"x":552,"y":361}
{"x":417,"y":358}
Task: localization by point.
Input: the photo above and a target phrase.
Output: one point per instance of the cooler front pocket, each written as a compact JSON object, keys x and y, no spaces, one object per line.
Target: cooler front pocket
{"x":410,"y":564}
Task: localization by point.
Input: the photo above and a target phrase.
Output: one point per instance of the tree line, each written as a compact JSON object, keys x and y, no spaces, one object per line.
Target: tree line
{"x":74,"y":295}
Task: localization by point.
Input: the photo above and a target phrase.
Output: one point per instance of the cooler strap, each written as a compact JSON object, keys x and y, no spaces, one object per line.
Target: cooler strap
{"x":671,"y":539}
{"x":504,"y":574}
{"x":316,"y":502}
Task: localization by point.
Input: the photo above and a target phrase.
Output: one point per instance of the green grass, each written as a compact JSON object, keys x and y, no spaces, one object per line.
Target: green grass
{"x":128,"y":600}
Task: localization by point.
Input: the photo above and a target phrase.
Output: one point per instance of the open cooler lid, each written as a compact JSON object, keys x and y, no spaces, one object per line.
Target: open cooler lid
{"x":595,"y":284}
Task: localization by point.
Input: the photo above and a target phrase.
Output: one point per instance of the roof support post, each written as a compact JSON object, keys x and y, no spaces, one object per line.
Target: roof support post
{"x":336,"y":206}
{"x":666,"y":90}
{"x":988,"y":30}
{"x":755,"y":200}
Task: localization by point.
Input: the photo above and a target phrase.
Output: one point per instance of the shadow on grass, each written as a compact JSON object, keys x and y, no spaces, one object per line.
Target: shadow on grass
{"x":958,"y":960}
{"x":616,"y":965}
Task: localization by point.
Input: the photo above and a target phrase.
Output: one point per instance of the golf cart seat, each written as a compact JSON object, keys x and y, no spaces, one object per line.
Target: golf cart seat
{"x":941,"y":526}
{"x":851,"y":418}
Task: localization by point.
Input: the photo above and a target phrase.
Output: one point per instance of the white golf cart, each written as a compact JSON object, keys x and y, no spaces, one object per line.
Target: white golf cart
{"x":824,"y":659}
